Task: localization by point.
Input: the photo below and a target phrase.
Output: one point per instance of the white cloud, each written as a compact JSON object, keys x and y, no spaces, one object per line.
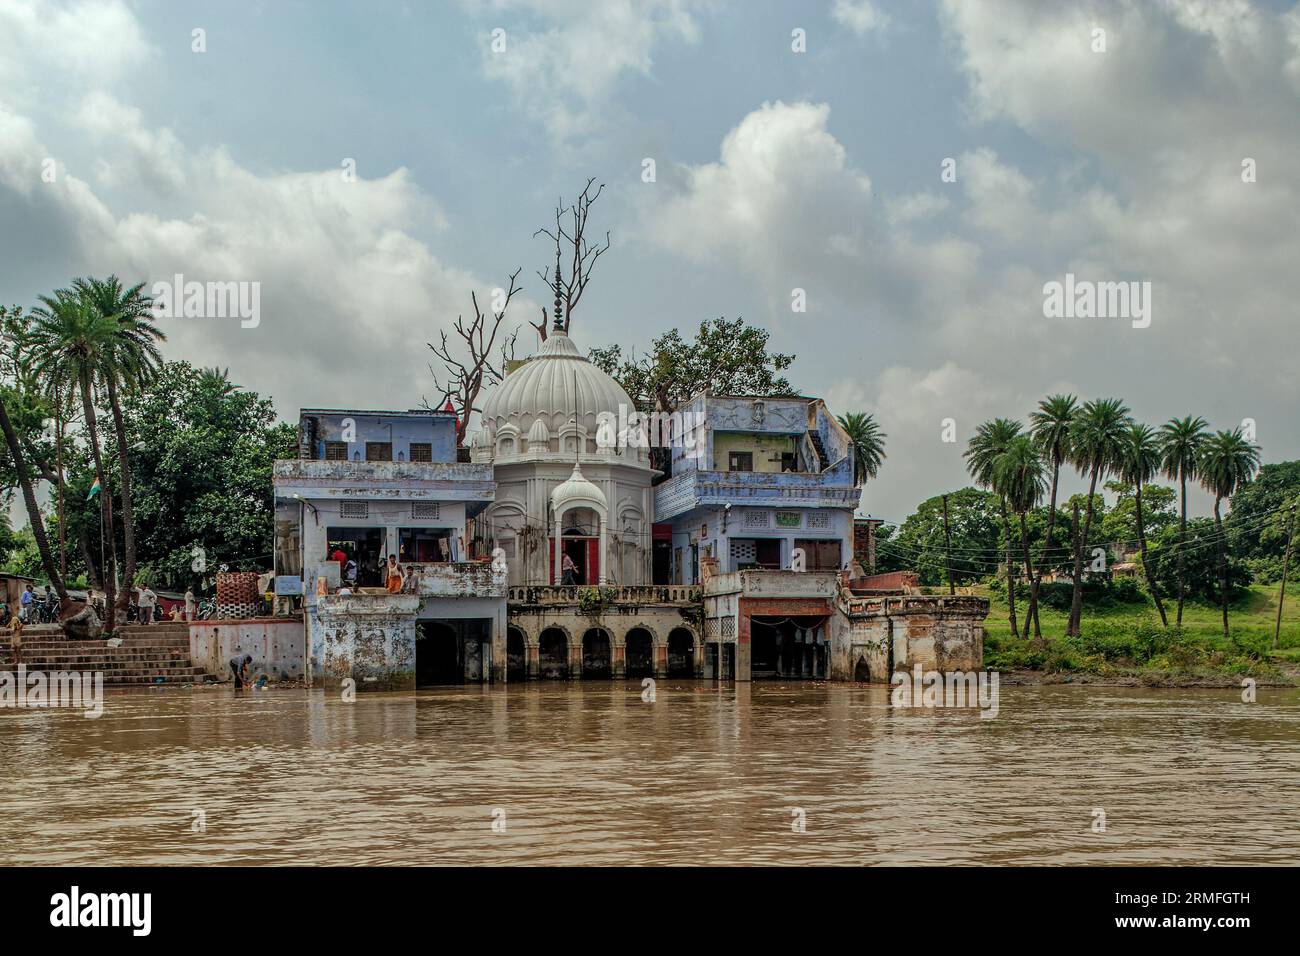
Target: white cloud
{"x":563,"y":59}
{"x":860,"y":16}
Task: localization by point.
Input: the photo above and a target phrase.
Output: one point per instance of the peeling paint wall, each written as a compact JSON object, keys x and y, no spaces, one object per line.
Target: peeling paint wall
{"x":370,"y":638}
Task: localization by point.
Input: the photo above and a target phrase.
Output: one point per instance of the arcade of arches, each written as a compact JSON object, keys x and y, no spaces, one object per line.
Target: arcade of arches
{"x":599,"y":652}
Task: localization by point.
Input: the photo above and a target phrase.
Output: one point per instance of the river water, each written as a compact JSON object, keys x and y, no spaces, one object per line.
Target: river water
{"x":588,"y":773}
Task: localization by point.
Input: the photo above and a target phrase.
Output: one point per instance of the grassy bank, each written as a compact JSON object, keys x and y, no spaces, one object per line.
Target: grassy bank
{"x":1125,"y":642}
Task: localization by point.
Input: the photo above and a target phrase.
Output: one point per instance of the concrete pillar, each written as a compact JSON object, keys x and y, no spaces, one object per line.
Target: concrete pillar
{"x":498,"y":651}
{"x":698,"y":658}
{"x":618,"y":657}
{"x":604,"y":550}
{"x":659,"y":659}
{"x":533,"y":660}
{"x":558,"y":573}
{"x":575,"y":658}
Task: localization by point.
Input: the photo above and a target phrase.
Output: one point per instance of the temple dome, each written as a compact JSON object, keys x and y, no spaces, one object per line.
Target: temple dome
{"x":556,"y":386}
{"x":577,"y":490}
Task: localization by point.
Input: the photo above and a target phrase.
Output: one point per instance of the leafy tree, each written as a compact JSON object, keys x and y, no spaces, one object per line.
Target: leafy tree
{"x":1261,"y":506}
{"x":1226,"y":462}
{"x":918,"y":543}
{"x":868,"y":444}
{"x":727,"y":357}
{"x":1180,"y":448}
{"x":1200,"y":565}
{"x":202,"y":461}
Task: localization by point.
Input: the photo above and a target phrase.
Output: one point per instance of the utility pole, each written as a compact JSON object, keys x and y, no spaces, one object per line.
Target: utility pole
{"x":1286,"y":562}
{"x":947,"y":546}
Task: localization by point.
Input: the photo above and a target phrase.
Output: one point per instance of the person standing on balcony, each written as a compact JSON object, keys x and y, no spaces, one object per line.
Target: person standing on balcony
{"x":569,"y":571}
{"x":393,"y":575}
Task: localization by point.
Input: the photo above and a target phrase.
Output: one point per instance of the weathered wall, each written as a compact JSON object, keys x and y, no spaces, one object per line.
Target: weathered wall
{"x":616,"y":620}
{"x":276,"y":645}
{"x":896,"y":633}
{"x":370,"y":638}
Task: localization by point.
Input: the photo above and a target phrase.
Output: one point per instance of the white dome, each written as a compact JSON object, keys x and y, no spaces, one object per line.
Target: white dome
{"x":576,"y":489}
{"x":554,"y":387}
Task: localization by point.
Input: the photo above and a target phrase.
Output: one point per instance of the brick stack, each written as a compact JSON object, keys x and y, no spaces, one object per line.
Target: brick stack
{"x":237,"y":595}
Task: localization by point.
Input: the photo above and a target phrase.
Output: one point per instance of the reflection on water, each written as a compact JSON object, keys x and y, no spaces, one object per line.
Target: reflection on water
{"x":589,"y":774}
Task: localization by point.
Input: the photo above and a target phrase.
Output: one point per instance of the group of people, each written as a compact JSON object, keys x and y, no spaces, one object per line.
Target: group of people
{"x":392,"y":572}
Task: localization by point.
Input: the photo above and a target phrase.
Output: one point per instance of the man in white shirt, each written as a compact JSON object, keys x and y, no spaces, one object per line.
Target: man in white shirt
{"x":147,"y":601}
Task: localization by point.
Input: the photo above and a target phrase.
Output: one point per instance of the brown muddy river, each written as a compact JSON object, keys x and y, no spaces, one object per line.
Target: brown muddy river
{"x":589,"y":774}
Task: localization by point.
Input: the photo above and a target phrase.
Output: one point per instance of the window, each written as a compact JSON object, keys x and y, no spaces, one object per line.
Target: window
{"x":740,"y":461}
{"x":379,"y":451}
{"x":789,"y":461}
{"x":354,"y":509}
{"x":336,"y":451}
{"x":421,"y":451}
{"x":424,"y":509}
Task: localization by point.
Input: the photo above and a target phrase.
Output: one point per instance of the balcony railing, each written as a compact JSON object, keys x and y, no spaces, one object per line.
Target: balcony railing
{"x":631,"y":594}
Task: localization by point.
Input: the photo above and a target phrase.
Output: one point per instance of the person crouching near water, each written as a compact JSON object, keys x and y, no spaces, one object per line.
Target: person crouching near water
{"x":239,"y":667}
{"x":393,"y":575}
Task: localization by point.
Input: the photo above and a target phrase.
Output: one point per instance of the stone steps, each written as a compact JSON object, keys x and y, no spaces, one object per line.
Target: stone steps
{"x":146,"y":654}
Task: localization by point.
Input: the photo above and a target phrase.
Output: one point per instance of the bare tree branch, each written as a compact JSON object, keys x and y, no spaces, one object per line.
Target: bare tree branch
{"x":570,"y":239}
{"x":468,"y":361}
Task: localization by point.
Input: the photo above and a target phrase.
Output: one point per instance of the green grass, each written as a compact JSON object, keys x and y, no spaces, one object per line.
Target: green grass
{"x":1127,"y":639}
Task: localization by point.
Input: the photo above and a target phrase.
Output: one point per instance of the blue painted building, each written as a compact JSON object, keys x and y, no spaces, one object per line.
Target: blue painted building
{"x":755,"y":479}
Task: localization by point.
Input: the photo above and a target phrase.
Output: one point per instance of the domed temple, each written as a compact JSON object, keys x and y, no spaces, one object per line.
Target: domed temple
{"x":552,"y":546}
{"x":565,"y":497}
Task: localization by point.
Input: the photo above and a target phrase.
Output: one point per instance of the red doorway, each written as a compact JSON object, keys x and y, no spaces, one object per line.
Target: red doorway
{"x":584,"y":551}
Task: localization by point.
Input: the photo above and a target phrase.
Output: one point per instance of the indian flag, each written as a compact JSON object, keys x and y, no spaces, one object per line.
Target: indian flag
{"x":94,"y":490}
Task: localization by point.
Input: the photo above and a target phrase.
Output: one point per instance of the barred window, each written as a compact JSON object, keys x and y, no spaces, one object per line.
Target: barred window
{"x":354,"y":509}
{"x":379,"y":451}
{"x":421,"y":451}
{"x":336,"y":451}
{"x":424,"y":509}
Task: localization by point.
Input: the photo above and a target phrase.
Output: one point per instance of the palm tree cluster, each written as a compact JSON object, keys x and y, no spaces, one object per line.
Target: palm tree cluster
{"x":94,"y":342}
{"x":1100,"y":439}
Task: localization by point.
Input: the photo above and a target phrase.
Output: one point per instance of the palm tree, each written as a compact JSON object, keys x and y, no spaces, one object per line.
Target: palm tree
{"x":1096,"y":438}
{"x":1226,"y":462}
{"x":1018,"y":477}
{"x":71,"y":341}
{"x":1050,"y":427}
{"x":133,"y":361}
{"x":1139,"y":463}
{"x":868,"y":444}
{"x":990,"y":440}
{"x":1180,"y":449}
{"x":219,"y":380}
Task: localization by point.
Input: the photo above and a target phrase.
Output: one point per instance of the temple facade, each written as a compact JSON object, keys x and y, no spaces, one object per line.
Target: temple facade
{"x":552,"y":547}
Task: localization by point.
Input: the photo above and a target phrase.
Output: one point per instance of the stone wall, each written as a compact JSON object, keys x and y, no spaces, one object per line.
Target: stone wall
{"x":884,"y":634}
{"x":368,"y":637}
{"x":277,"y":646}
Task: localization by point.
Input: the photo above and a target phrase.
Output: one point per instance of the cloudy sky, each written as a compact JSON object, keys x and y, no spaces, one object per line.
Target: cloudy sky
{"x":777,"y":169}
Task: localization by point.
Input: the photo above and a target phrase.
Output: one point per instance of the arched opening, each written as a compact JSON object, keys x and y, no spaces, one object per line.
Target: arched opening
{"x":597,"y":661}
{"x":861,"y":672}
{"x":640,"y":653}
{"x":580,"y":544}
{"x":553,"y":663}
{"x":516,"y":655}
{"x":681,"y":653}
{"x":437,"y":655}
